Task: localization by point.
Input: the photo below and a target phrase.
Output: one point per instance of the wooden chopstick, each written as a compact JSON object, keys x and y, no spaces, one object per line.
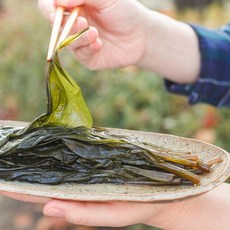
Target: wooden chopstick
{"x":56,"y":28}
{"x":72,"y":18}
{"x":55,"y":31}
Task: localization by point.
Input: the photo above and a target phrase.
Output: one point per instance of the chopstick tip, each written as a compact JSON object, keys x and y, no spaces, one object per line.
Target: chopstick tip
{"x":49,"y":59}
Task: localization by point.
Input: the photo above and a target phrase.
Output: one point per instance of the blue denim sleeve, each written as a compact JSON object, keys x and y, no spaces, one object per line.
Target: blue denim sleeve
{"x":213,"y":84}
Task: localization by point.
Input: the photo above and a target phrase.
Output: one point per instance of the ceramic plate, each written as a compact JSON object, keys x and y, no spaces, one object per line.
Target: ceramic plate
{"x":107,"y":192}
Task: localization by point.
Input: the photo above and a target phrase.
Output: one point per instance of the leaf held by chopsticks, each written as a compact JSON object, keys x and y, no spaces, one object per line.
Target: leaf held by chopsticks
{"x":66,"y":105}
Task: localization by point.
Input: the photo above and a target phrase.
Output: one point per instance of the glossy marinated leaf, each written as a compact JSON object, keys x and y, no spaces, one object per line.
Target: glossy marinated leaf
{"x":66,"y":105}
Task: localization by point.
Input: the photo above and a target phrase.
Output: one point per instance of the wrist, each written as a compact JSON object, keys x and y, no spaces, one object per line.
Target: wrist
{"x":169,"y":44}
{"x":207,"y":211}
{"x":148,"y":25}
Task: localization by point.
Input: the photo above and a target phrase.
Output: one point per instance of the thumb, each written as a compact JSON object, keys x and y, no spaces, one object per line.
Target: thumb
{"x":113,"y":214}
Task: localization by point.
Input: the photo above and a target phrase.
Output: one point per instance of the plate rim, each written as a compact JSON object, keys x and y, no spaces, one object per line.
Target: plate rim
{"x":48,"y":191}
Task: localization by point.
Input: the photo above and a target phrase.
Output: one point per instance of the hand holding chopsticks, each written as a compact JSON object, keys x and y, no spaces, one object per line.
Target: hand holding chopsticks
{"x":54,"y":41}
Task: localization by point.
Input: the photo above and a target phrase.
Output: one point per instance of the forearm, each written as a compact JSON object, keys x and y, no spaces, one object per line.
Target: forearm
{"x":208,"y":211}
{"x":172,"y":49}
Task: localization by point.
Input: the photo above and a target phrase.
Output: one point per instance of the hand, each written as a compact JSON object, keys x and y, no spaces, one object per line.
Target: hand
{"x":117,"y":34}
{"x":124,"y":32}
{"x":207,"y":211}
{"x":110,"y":214}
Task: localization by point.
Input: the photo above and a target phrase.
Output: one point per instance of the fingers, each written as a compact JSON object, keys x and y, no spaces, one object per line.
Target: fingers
{"x":91,"y":213}
{"x":85,"y":54}
{"x":111,"y":214}
{"x":86,"y":39}
{"x":88,"y":44}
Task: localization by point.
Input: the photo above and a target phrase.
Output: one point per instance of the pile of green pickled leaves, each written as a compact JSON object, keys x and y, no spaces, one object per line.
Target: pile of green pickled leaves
{"x":61,"y":146}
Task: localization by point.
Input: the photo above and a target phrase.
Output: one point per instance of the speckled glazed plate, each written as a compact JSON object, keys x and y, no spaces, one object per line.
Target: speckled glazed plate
{"x":107,"y":192}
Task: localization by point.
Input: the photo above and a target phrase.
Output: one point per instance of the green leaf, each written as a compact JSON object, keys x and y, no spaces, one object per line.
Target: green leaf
{"x":66,"y":105}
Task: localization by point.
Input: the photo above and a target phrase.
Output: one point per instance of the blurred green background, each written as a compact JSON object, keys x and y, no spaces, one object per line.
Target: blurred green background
{"x":128,"y":98}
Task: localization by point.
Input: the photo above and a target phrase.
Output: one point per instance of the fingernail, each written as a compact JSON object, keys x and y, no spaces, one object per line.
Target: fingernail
{"x":54,"y":212}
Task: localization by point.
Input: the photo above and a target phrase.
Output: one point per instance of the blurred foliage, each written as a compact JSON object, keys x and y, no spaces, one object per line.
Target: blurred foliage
{"x":198,"y":4}
{"x":125,"y":98}
{"x":23,"y":45}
